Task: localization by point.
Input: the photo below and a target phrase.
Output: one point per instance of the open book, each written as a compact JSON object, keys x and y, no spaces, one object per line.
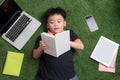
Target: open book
{"x":105,"y":52}
{"x":13,"y":63}
{"x":57,"y":44}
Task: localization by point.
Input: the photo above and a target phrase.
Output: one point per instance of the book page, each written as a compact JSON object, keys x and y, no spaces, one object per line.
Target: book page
{"x":113,"y":63}
{"x":62,"y":42}
{"x":50,"y":41}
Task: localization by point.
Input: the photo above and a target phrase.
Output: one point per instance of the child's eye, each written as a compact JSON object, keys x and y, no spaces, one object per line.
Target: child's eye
{"x":51,"y":22}
{"x":59,"y":21}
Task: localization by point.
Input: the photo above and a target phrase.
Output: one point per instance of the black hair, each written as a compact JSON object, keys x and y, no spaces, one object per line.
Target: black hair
{"x":52,"y":11}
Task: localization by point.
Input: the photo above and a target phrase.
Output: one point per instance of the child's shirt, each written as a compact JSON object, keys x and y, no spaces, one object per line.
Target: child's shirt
{"x":61,"y":68}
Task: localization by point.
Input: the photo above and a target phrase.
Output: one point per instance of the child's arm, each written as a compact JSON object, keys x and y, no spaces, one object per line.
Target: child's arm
{"x":38,"y":52}
{"x":77,"y":44}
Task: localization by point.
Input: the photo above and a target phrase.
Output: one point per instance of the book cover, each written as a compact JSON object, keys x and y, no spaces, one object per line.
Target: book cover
{"x":105,"y":51}
{"x":13,"y":63}
{"x":57,"y":44}
{"x":103,"y":68}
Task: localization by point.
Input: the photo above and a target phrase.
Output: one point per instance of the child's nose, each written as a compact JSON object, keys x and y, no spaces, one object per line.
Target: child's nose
{"x":56,"y":24}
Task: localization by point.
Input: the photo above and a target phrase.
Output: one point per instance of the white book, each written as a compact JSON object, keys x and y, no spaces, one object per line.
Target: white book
{"x":105,"y":52}
{"x":91,"y":23}
{"x":57,"y":44}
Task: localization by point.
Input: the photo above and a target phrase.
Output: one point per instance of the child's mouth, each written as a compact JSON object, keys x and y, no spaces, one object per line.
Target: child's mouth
{"x":56,"y":28}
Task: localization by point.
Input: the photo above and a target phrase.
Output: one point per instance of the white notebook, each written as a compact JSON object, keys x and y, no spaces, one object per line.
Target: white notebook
{"x":105,"y":52}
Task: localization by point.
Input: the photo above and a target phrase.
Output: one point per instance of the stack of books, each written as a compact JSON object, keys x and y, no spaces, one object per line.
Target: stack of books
{"x":105,"y":52}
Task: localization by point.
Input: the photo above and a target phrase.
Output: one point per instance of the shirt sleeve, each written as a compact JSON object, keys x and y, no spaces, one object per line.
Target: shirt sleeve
{"x":73,"y":36}
{"x":37,"y":42}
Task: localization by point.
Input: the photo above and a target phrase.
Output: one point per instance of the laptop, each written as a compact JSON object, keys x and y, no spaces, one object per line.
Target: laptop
{"x":16,"y":25}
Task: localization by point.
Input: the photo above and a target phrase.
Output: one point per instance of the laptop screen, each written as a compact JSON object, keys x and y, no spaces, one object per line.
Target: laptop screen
{"x":7,"y":9}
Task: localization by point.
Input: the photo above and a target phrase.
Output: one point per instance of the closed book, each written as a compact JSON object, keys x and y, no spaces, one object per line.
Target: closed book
{"x":13,"y":63}
{"x":103,"y":68}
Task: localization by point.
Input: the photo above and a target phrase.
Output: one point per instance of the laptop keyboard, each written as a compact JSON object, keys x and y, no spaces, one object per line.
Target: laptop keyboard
{"x":18,"y":27}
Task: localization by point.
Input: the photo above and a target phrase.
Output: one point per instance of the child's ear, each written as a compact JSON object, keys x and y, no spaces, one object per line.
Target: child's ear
{"x":65,"y":23}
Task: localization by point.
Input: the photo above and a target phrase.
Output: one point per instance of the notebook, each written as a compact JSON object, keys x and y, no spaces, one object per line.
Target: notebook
{"x":16,"y":25}
{"x":105,"y":51}
{"x":13,"y":63}
{"x":103,"y":68}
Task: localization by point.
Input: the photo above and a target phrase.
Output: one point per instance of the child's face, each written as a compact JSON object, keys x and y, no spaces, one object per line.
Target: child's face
{"x":56,"y":23}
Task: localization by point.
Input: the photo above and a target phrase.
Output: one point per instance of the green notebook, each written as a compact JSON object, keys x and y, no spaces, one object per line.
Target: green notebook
{"x":13,"y":63}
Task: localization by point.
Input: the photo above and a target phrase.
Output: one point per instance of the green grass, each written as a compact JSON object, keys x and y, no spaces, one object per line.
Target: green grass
{"x":107,"y":16}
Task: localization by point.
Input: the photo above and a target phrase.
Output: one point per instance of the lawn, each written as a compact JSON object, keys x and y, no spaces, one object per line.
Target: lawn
{"x":107,"y":16}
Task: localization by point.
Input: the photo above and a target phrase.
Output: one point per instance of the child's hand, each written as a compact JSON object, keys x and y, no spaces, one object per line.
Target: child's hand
{"x":43,"y":45}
